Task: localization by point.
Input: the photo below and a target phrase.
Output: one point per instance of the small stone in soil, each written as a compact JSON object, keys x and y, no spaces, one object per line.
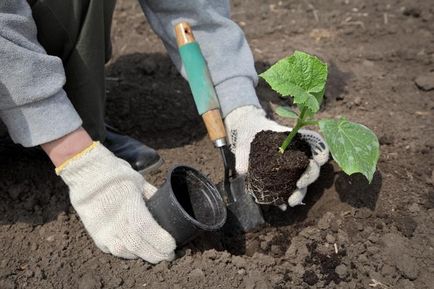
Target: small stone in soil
{"x":425,"y":82}
{"x":325,"y":221}
{"x":405,"y":284}
{"x":239,"y":261}
{"x":408,"y":266}
{"x":196,"y":274}
{"x":330,"y":239}
{"x":342,"y":271}
{"x":89,"y":281}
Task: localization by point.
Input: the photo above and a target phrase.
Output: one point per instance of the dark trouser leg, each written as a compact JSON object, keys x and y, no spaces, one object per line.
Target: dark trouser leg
{"x":78,"y":31}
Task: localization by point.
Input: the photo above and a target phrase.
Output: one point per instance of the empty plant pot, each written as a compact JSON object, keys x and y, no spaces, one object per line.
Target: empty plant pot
{"x":187,"y":204}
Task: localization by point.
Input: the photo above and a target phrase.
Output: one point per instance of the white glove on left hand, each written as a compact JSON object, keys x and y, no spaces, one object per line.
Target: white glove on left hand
{"x":108,"y":195}
{"x":243,"y":123}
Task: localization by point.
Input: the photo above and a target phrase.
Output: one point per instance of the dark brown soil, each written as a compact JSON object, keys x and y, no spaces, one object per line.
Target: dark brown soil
{"x":375,"y":50}
{"x":272,"y":176}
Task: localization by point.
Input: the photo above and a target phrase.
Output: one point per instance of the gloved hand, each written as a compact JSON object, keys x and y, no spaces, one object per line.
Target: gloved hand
{"x":243,"y":123}
{"x":108,"y":195}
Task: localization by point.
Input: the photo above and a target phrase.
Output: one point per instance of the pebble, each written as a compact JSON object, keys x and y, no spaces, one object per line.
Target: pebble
{"x":125,"y":266}
{"x":39,"y":273}
{"x":373,"y":238}
{"x":4,"y":263}
{"x":334,"y":227}
{"x":275,"y":249}
{"x":408,"y":266}
{"x":299,"y":270}
{"x":358,"y":101}
{"x":210,"y":254}
{"x":264,"y":245}
{"x":342,"y":237}
{"x":425,"y":82}
{"x":386,"y":139}
{"x":239,"y":261}
{"x":196,"y":274}
{"x":388,"y":270}
{"x":330,"y":238}
{"x":405,"y":284}
{"x":29,"y":273}
{"x":264,"y":260}
{"x":326,"y":219}
{"x":50,"y":238}
{"x":89,"y":281}
{"x":311,"y":233}
{"x":117,"y":281}
{"x":363,"y":213}
{"x":363,"y":259}
{"x":414,"y":208}
{"x":256,"y":280}
{"x":161,"y":267}
{"x":372,"y":250}
{"x":342,"y":271}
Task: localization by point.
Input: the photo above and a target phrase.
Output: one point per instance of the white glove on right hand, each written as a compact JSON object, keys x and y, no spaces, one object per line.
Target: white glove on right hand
{"x":107,"y":195}
{"x":243,"y":123}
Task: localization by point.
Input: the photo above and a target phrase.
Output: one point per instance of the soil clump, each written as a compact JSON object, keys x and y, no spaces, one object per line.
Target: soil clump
{"x":272,"y":176}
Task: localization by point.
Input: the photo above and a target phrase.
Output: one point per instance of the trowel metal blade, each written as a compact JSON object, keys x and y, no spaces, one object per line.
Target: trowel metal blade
{"x":243,"y":213}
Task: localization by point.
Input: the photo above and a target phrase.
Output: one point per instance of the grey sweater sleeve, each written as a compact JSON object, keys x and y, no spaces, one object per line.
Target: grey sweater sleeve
{"x":33,"y":104}
{"x":222,"y":42}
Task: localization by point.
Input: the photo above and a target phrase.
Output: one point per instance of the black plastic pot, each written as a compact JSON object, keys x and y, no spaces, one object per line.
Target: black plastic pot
{"x":187,"y":204}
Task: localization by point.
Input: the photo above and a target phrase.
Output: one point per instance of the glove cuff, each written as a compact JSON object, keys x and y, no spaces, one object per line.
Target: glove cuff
{"x":60,"y":168}
{"x":91,"y":167}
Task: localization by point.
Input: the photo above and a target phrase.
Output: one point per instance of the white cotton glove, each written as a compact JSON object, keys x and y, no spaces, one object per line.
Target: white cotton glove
{"x":242,"y":124}
{"x":108,"y":195}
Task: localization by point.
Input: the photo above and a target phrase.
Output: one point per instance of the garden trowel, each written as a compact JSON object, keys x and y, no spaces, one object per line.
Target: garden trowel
{"x":243,"y":212}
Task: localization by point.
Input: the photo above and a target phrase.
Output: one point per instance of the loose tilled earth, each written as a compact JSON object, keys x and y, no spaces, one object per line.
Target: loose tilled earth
{"x":349,"y":234}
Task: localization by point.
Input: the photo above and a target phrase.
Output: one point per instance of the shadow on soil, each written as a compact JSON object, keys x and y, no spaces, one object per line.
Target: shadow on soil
{"x":148,"y":99}
{"x":356,"y":191}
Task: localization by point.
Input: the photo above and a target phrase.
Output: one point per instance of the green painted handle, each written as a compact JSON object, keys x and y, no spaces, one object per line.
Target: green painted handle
{"x":198,"y":77}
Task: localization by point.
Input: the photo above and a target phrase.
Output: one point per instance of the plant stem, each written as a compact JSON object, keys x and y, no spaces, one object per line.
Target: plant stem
{"x":300,"y":123}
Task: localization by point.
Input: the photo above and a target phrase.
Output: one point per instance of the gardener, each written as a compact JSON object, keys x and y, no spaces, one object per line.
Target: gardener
{"x":52,"y":56}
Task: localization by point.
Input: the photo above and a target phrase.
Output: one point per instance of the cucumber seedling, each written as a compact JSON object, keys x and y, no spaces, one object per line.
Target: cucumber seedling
{"x":303,"y":77}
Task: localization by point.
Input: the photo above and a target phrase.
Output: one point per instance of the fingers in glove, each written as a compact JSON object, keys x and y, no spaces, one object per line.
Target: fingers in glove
{"x":155,"y":235}
{"x":320,"y":150}
{"x":119,"y":250}
{"x":139,"y":246}
{"x":297,"y":197}
{"x":310,"y":175}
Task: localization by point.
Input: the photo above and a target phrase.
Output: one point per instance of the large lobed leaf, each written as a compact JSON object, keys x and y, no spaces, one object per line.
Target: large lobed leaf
{"x":353,"y":146}
{"x":301,"y":76}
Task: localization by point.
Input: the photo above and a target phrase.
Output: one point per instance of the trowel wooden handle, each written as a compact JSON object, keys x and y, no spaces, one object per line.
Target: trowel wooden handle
{"x":214,"y":125}
{"x":201,"y":84}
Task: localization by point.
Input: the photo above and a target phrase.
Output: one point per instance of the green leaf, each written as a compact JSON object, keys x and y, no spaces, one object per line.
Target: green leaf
{"x":301,"y":76}
{"x":285,"y":111}
{"x":354,"y":147}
